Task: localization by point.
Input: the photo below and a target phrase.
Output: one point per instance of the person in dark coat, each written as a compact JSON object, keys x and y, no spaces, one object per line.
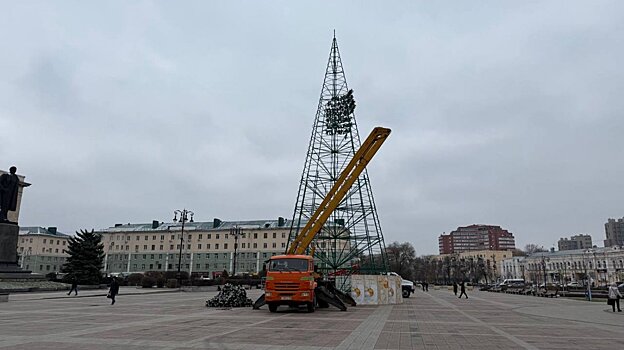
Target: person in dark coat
{"x":426,"y":286}
{"x":114,"y":290}
{"x":74,"y":286}
{"x":462,"y":289}
{"x":455,"y":287}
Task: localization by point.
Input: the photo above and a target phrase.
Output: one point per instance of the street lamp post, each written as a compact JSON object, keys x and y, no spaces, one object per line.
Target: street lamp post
{"x":236,"y":232}
{"x":184,"y":216}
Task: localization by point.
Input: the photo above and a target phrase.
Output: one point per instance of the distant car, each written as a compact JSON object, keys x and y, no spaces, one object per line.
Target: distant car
{"x":621,"y":288}
{"x":205,"y":278}
{"x":574,"y":285}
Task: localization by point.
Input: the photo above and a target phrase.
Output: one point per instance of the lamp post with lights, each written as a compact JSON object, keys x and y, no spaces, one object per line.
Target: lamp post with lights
{"x":184,"y":217}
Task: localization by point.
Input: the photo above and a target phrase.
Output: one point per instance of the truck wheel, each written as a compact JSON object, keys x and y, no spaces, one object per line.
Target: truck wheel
{"x":273,"y":307}
{"x":406,"y":293}
{"x":310,"y":307}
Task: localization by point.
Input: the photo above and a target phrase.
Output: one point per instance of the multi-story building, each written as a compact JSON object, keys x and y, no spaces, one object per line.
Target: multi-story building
{"x":476,"y":237}
{"x":41,"y":250}
{"x":614,"y":231}
{"x":207,"y":247}
{"x":602,"y":265}
{"x":579,"y":241}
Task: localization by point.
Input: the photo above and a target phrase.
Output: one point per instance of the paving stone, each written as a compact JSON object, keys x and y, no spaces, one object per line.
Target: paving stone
{"x":433,"y":320}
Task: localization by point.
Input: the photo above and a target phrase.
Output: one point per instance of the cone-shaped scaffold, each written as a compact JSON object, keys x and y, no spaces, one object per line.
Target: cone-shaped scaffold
{"x":351,"y":240}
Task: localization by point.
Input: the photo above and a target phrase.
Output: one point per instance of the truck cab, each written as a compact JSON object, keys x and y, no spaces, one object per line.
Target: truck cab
{"x":290,"y":281}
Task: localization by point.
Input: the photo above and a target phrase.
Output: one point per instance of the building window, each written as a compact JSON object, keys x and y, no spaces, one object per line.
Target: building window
{"x":209,"y":236}
{"x":44,"y":240}
{"x":207,"y":245}
{"x":255,"y":245}
{"x":274,"y":245}
{"x":265,"y":245}
{"x":283,"y":245}
{"x":161,"y":247}
{"x":216,"y":245}
{"x":226,"y":236}
{"x":266,"y":235}
{"x":145,"y":247}
{"x":153,"y":247}
{"x":283,"y":234}
{"x":199,"y":246}
{"x":255,"y":236}
{"x":216,"y":235}
{"x":200,"y":236}
{"x":146,"y":238}
{"x":274,"y":235}
{"x":225,"y":246}
{"x":243,"y":245}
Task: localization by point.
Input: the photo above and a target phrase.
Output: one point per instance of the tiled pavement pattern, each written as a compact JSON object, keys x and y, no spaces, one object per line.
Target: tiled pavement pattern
{"x":433,"y":320}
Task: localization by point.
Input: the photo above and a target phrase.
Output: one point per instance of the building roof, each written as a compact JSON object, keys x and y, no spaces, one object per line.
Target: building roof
{"x":197,"y":226}
{"x":35,"y":230}
{"x":597,"y":250}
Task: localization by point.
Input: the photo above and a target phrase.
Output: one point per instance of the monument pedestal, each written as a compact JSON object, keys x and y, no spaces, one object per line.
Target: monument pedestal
{"x":9,"y":269}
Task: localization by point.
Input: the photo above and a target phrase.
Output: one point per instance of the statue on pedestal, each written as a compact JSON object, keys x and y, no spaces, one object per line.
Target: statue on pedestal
{"x":9,"y":184}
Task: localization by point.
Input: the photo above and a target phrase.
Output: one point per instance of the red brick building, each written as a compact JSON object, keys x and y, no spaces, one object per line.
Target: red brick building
{"x":476,"y":237}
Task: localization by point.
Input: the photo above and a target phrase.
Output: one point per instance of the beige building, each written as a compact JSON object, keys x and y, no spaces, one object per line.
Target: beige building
{"x":207,"y":247}
{"x":41,"y":250}
{"x":602,"y":265}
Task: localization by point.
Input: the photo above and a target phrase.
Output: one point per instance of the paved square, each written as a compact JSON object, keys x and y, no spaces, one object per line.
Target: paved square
{"x":179,"y":320}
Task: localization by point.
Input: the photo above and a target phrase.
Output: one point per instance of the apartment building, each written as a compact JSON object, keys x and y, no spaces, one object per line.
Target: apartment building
{"x":580,"y":241}
{"x":476,"y":237}
{"x":614,"y":232}
{"x":41,"y":250}
{"x":207,"y":248}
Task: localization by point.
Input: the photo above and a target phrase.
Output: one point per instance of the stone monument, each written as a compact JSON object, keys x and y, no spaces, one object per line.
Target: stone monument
{"x":11,"y":188}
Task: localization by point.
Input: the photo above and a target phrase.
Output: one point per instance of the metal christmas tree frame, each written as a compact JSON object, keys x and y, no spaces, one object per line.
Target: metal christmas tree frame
{"x":351,"y":240}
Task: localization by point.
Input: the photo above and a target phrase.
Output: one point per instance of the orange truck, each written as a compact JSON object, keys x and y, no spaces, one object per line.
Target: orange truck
{"x":291,"y":278}
{"x":290,"y":281}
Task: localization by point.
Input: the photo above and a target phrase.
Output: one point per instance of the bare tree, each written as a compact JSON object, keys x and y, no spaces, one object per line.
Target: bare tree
{"x":401,"y":258}
{"x":533,"y":248}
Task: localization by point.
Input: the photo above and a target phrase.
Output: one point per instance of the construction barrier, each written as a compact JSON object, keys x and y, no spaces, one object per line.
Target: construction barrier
{"x":376,"y":289}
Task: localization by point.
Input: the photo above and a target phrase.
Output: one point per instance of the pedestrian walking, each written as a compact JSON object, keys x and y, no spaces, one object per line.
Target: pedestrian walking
{"x":426,"y":286}
{"x":74,"y":286}
{"x":114,"y":290}
{"x":462,"y":289}
{"x":422,"y":284}
{"x":614,"y":297}
{"x":455,"y":287}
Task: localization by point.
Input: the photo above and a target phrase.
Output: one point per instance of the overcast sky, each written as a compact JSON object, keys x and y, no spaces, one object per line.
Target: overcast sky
{"x":502,"y":113}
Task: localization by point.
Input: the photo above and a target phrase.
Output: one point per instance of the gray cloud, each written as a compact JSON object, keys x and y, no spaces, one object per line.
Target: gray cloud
{"x":504,"y":114}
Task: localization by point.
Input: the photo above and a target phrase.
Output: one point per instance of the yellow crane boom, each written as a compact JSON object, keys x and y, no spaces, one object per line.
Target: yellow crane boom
{"x":338,"y":191}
